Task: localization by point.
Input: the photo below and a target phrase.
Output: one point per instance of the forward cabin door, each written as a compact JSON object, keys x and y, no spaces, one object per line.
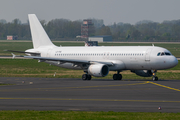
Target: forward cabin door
{"x":148,"y":52}
{"x":147,"y":59}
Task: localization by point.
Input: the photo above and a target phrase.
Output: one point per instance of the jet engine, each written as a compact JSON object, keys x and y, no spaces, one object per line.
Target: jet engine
{"x":98,"y":70}
{"x":143,"y":73}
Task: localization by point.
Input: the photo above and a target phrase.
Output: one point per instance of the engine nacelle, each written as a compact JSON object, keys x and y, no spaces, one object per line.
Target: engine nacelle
{"x":143,"y":73}
{"x":98,"y":70}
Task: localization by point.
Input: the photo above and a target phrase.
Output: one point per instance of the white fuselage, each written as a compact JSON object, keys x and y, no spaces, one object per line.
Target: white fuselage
{"x":124,"y":57}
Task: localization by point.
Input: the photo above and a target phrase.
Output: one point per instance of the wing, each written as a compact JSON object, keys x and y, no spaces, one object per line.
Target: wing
{"x":68,"y":60}
{"x":36,"y":56}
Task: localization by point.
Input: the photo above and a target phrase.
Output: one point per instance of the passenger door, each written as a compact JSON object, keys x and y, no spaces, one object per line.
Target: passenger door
{"x":147,"y":56}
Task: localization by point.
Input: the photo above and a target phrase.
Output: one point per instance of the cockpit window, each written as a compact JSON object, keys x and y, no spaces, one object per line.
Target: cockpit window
{"x":163,"y":53}
{"x":167,"y":53}
{"x":159,"y":54}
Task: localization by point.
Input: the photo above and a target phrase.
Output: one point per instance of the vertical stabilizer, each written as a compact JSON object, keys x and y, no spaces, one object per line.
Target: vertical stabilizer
{"x":39,"y":35}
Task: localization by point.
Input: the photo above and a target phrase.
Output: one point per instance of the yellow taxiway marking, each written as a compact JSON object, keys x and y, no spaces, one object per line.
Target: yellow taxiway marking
{"x":74,"y":87}
{"x":163,"y":86}
{"x":106,"y":100}
{"x":100,"y":86}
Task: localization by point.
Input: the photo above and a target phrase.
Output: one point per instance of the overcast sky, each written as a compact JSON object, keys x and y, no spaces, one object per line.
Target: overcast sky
{"x":127,"y":11}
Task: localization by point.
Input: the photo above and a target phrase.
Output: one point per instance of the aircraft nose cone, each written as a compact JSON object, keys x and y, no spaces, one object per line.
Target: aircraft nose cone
{"x":176,"y":61}
{"x":173,"y":61}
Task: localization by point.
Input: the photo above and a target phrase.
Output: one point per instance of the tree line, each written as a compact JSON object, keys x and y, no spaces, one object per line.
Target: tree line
{"x":147,"y":31}
{"x":58,"y":29}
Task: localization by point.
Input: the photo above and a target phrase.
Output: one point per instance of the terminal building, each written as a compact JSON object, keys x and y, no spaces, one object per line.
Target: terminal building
{"x":104,"y":38}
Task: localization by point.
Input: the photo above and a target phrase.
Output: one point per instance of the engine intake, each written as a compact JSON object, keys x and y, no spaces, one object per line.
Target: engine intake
{"x":98,"y":70}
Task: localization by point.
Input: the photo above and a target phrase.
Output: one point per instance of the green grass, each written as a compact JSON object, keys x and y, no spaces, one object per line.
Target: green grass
{"x":31,"y":68}
{"x":22,"y":46}
{"x":77,"y":115}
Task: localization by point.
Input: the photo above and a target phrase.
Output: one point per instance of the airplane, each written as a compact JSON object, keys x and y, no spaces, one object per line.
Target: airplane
{"x":97,"y":61}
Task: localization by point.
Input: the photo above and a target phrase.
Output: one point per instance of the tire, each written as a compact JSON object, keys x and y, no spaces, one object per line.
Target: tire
{"x":119,"y":77}
{"x":84,"y":77}
{"x":88,"y":77}
{"x":115,"y":77}
{"x":155,"y":78}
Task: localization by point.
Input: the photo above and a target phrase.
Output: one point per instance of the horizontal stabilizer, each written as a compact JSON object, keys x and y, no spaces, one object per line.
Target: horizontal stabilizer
{"x":32,"y":53}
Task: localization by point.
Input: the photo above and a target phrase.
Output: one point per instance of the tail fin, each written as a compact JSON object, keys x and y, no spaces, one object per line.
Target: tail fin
{"x":39,"y":36}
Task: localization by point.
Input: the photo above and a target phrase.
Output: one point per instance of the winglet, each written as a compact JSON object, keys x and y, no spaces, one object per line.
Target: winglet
{"x":13,"y":55}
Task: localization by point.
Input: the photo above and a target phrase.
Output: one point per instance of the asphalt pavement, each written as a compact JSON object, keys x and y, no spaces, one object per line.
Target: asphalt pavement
{"x":95,"y":95}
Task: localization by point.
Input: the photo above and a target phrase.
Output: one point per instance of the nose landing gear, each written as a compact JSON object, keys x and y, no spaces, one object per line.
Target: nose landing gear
{"x":154,"y":78}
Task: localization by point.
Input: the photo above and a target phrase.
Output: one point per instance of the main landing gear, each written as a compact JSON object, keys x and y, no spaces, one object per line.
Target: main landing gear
{"x":117,"y":76}
{"x":86,"y":77}
{"x":154,"y":78}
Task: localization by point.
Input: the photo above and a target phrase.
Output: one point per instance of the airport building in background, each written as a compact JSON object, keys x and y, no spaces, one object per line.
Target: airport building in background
{"x":87,"y":28}
{"x":104,"y":38}
{"x":11,"y":37}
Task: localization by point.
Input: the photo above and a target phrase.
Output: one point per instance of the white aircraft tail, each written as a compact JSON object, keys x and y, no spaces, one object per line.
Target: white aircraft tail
{"x":39,"y":35}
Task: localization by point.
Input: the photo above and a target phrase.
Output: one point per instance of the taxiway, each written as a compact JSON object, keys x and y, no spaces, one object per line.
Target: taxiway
{"x":94,"y":95}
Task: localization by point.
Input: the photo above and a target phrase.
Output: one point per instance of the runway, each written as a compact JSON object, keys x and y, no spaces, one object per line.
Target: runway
{"x":95,"y":95}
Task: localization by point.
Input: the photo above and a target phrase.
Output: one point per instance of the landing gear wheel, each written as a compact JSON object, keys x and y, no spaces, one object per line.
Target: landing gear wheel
{"x":117,"y":77}
{"x":155,"y":78}
{"x":84,"y":76}
{"x":88,"y":77}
